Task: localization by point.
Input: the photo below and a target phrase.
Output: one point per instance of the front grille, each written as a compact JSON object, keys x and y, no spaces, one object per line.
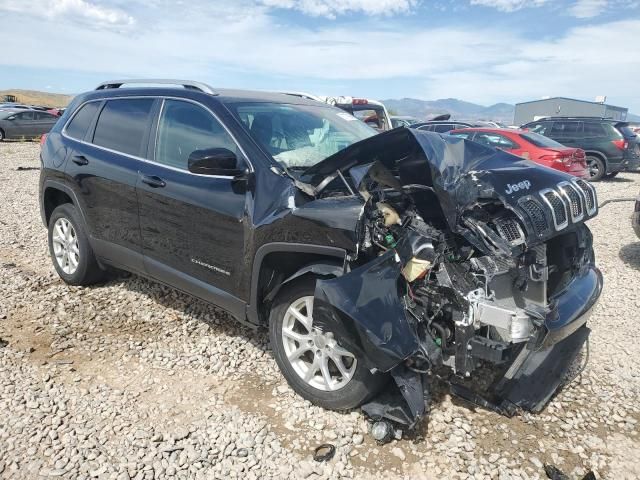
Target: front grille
{"x":589,"y":196}
{"x":509,"y":230}
{"x":536,"y":215}
{"x":575,"y":201}
{"x":558,"y":208}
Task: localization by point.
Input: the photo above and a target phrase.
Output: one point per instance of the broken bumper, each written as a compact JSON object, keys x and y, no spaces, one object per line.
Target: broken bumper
{"x":364,"y":307}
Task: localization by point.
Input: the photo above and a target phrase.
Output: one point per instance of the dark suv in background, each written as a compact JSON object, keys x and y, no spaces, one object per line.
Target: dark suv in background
{"x":371,"y":258}
{"x":610,"y":145}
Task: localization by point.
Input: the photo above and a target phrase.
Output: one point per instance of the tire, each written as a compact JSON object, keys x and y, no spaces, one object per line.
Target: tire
{"x":347,"y":393}
{"x":67,"y":234}
{"x":597,"y":168}
{"x":611,"y":175}
{"x":2,"y":137}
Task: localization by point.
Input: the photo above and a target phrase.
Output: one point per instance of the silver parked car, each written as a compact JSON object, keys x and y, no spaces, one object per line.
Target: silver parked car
{"x":25,"y":123}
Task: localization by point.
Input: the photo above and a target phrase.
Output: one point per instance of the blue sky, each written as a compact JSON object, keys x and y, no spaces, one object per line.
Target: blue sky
{"x":484,"y":51}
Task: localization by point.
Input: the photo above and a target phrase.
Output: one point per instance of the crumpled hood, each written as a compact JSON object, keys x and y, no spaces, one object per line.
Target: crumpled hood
{"x":460,"y":171}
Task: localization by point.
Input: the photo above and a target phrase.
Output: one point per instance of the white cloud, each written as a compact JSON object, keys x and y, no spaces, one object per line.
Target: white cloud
{"x":333,"y":8}
{"x":588,"y":8}
{"x":77,"y":9}
{"x":509,"y":5}
{"x":243,"y":45}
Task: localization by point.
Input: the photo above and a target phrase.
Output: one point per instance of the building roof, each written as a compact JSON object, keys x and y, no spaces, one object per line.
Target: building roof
{"x":572,"y":100}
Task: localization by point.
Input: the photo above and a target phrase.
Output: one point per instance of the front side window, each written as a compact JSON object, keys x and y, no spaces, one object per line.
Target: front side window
{"x":184,"y":128}
{"x":542,"y":128}
{"x":299,"y":136}
{"x":28,"y":116}
{"x":122,"y":124}
{"x":77,"y":127}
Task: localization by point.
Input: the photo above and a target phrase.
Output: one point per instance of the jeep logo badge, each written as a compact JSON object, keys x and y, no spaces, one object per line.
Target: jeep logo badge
{"x":514,"y":187}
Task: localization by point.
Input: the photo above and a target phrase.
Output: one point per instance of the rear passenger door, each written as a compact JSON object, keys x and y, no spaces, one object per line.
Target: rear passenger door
{"x":192,"y":225}
{"x":43,"y":122}
{"x":109,"y":140}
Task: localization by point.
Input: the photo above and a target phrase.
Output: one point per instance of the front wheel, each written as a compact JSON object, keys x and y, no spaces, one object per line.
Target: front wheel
{"x":314,"y":363}
{"x":596,"y":167}
{"x":1,"y":135}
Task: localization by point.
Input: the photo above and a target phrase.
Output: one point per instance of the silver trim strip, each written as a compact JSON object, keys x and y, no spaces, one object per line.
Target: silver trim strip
{"x":590,"y":211}
{"x":187,"y":84}
{"x":558,"y":226}
{"x":562,"y":187}
{"x":146,"y":160}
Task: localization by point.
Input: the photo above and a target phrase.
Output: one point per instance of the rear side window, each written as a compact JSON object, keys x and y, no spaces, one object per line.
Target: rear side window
{"x":184,"y":128}
{"x":612,"y":132}
{"x":594,"y":130}
{"x":122,"y":124}
{"x":78,"y":125}
{"x":564,"y":129}
{"x":494,"y":140}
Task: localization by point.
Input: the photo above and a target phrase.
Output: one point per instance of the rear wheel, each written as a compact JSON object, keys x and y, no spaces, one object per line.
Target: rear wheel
{"x":315,"y":363}
{"x":69,"y":247}
{"x":1,"y":135}
{"x":596,"y":168}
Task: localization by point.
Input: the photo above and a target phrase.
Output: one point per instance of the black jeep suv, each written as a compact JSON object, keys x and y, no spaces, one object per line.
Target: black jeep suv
{"x":374,"y":260}
{"x":610,"y":145}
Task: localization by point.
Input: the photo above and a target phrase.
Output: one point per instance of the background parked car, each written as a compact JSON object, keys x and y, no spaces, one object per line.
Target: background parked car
{"x":444,"y":126}
{"x":607,"y":149}
{"x":25,"y":123}
{"x":531,"y":146}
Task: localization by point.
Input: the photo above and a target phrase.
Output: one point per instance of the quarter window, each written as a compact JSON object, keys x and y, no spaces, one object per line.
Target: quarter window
{"x":80,"y":122}
{"x":184,"y":128}
{"x":122,"y":124}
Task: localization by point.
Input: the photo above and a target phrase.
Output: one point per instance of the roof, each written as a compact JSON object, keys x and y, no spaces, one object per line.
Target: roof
{"x":570,"y":99}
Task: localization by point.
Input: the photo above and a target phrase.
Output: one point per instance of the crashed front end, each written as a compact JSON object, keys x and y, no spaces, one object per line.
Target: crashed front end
{"x":469,"y":259}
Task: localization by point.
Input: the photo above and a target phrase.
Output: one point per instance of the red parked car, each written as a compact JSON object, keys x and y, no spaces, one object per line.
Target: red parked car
{"x":532,"y":146}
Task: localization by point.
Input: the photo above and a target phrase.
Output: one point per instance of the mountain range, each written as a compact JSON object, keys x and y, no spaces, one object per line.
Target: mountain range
{"x":459,"y":109}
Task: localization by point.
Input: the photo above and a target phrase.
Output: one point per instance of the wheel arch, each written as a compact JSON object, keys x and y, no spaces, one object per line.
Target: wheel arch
{"x":55,"y":194}
{"x":596,"y":153}
{"x":277,"y":264}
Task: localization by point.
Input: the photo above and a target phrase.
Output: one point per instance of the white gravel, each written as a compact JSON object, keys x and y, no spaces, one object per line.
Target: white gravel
{"x":131,"y":380}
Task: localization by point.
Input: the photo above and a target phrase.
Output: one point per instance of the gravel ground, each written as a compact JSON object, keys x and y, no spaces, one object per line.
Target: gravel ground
{"x":131,"y":380}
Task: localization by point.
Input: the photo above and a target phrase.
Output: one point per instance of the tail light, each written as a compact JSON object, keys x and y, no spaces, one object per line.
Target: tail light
{"x":621,"y":143}
{"x":43,"y":139}
{"x":558,"y":158}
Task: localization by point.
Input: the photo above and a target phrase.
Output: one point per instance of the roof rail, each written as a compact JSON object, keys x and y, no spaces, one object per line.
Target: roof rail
{"x":576,"y":117}
{"x":187,"y":84}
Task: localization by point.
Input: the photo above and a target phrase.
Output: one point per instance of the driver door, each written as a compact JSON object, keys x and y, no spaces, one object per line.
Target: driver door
{"x":192,"y":225}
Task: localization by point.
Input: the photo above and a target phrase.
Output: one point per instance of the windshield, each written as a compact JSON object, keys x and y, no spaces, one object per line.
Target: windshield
{"x":299,"y":136}
{"x":541,"y":141}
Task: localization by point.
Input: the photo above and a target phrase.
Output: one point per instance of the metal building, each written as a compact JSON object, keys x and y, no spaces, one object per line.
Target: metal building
{"x":565,"y":107}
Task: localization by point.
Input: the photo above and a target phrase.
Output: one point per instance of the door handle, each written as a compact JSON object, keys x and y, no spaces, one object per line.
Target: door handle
{"x":80,"y":160}
{"x":153,"y":181}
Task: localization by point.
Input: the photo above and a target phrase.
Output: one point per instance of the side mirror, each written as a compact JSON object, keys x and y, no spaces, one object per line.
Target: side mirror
{"x":215,"y":161}
{"x":12,"y":117}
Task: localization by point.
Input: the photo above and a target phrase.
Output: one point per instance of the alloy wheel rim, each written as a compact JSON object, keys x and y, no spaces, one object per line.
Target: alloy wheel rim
{"x":593,"y":168}
{"x":314,"y":355}
{"x":65,"y":246}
